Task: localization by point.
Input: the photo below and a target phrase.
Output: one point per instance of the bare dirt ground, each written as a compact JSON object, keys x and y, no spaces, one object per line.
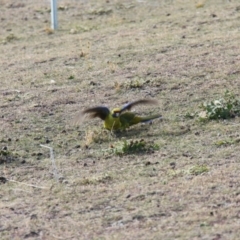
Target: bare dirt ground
{"x":181,"y":53}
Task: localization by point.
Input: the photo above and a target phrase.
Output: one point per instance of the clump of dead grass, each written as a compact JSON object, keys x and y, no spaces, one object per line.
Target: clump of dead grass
{"x":200,"y":4}
{"x":97,"y":135}
{"x":49,"y":30}
{"x":112,"y":66}
{"x":136,"y":83}
{"x":85,"y":50}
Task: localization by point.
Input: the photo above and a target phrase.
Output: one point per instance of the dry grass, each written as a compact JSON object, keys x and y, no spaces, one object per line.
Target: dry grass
{"x":181,"y":53}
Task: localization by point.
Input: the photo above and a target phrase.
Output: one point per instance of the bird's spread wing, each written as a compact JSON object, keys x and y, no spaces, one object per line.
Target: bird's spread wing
{"x":128,"y":106}
{"x":101,"y":112}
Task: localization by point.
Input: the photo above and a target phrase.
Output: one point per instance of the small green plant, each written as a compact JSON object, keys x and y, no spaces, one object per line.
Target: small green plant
{"x":198,"y":169}
{"x":10,"y":38}
{"x":6,"y":156}
{"x":132,"y":147}
{"x":134,"y":83}
{"x":71,"y":77}
{"x":227,"y":142}
{"x":4,"y":152}
{"x":190,"y":115}
{"x":224,"y":108}
{"x":105,"y":178}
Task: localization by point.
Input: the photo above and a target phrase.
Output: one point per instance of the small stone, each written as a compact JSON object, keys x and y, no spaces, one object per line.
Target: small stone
{"x":73,"y":31}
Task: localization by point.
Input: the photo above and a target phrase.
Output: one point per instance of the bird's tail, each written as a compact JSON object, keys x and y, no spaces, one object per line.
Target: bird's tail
{"x":149,"y":118}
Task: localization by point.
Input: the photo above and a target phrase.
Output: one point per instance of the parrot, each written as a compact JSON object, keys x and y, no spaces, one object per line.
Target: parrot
{"x":120,"y":118}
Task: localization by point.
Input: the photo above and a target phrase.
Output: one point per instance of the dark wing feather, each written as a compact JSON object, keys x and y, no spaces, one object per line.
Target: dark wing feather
{"x":101,"y":112}
{"x":128,"y":106}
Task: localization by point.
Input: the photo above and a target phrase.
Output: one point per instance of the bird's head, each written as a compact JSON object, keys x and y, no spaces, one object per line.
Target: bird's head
{"x":116,"y":112}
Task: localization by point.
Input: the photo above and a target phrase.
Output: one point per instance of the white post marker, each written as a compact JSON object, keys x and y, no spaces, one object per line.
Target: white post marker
{"x":54,"y":14}
{"x":55,"y":171}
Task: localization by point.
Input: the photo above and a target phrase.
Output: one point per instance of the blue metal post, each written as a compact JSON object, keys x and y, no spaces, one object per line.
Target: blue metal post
{"x":54,"y":14}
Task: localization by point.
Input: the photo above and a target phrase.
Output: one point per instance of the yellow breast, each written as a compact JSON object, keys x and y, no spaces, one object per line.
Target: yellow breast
{"x":112,"y":123}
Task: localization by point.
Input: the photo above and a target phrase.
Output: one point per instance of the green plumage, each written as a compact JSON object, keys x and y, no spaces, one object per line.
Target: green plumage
{"x":120,"y":118}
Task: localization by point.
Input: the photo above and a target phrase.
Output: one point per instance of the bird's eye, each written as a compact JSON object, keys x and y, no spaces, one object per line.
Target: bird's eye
{"x":116,"y":114}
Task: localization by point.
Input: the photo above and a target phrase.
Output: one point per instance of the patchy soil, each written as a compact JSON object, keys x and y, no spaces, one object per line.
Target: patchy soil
{"x":181,"y":53}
